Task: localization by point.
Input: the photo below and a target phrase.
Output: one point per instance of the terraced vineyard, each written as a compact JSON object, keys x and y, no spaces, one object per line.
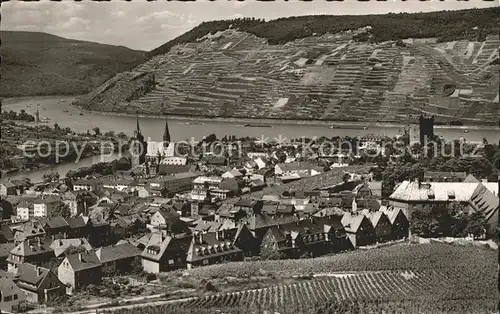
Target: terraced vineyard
{"x":328,"y":77}
{"x":361,"y":286}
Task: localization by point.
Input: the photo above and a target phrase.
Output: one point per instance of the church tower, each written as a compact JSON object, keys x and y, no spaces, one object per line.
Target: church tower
{"x":166,"y":135}
{"x":139,"y":147}
{"x":37,"y":116}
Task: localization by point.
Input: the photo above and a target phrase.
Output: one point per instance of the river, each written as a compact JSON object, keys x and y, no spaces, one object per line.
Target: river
{"x":58,"y":109}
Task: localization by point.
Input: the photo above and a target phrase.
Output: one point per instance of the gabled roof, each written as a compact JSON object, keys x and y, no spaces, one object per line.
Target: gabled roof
{"x":32,"y":247}
{"x":209,"y":247}
{"x":5,"y":249}
{"x":117,"y":252}
{"x":31,"y":274}
{"x":8,"y":286}
{"x":411,"y":191}
{"x":374,"y":217}
{"x":270,"y":207}
{"x":471,"y":179}
{"x":352,"y":222}
{"x":62,"y":245}
{"x":83,"y":261}
{"x":259,"y":221}
{"x":77,"y":222}
{"x":57,"y":222}
{"x":392,"y":213}
{"x":158,"y":243}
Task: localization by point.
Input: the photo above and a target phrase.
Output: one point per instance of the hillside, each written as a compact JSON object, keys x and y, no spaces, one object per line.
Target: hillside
{"x":363,"y":68}
{"x":403,"y":278}
{"x":43,"y":64}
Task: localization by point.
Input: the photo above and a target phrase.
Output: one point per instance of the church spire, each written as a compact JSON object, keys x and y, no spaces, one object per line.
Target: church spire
{"x":138,"y":129}
{"x":166,"y":134}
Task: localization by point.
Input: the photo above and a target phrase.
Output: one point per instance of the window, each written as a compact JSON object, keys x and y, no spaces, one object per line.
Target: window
{"x":15,"y":296}
{"x":7,"y":298}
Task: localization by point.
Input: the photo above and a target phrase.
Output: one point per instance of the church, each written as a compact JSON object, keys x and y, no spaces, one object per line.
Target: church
{"x":147,"y":156}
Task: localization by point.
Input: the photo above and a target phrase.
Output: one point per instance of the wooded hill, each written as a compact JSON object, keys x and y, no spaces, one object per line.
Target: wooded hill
{"x":474,"y":24}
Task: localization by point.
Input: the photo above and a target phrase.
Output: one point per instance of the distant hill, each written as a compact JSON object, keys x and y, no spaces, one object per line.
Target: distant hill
{"x":387,"y":68}
{"x":42,"y":64}
{"x":443,"y":25}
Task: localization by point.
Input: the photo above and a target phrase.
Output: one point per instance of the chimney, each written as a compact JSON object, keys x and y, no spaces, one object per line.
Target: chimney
{"x":80,"y":257}
{"x":38,"y":271}
{"x":200,"y":238}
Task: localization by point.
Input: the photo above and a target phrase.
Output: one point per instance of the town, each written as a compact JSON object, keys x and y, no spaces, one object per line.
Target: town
{"x":162,"y":211}
{"x":250,"y":157}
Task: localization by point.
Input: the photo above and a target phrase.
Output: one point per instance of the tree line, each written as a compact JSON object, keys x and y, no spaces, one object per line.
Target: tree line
{"x":473,"y":24}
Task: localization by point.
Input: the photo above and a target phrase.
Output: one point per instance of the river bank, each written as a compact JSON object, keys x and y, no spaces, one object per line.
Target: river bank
{"x":281,"y":121}
{"x":236,"y":120}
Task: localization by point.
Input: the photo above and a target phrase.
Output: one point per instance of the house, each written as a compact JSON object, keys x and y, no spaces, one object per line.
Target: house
{"x":56,"y":226}
{"x":11,"y":297}
{"x":5,"y":249}
{"x":34,"y":251}
{"x":85,"y":184}
{"x":400,"y":225}
{"x":315,"y":236}
{"x":39,"y":284}
{"x":75,"y":203}
{"x":211,"y":248}
{"x":78,"y":226}
{"x":164,"y":169}
{"x":202,"y":184}
{"x":174,"y":160}
{"x":381,"y":224}
{"x":28,"y":230}
{"x":46,"y":205}
{"x":7,"y":188}
{"x":25,"y":210}
{"x":232,"y":174}
{"x":79,"y":270}
{"x":99,"y":232}
{"x":359,"y":229}
{"x":6,"y":234}
{"x":174,"y":183}
{"x":302,"y":169}
{"x":167,"y":220}
{"x":475,"y":196}
{"x":165,"y":253}
{"x":118,"y":184}
{"x":62,"y":246}
{"x":118,"y":258}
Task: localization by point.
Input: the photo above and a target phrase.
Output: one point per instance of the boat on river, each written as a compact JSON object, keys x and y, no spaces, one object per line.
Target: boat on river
{"x":348,"y":127}
{"x":257,"y":125}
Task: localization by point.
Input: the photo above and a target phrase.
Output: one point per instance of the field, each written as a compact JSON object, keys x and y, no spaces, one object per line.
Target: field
{"x":404,"y":278}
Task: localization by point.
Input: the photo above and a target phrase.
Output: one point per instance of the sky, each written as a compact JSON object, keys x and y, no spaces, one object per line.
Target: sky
{"x":146,"y":25}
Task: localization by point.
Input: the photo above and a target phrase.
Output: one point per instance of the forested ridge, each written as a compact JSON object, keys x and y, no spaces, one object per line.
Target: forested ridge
{"x":473,"y":24}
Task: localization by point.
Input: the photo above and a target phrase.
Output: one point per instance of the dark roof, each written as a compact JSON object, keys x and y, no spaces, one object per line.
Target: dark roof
{"x":57,"y":222}
{"x":5,"y":249}
{"x":270,"y":208}
{"x":76,"y":222}
{"x":6,"y":233}
{"x":171,"y":169}
{"x":245,"y":202}
{"x":82,"y":261}
{"x":31,"y":274}
{"x":33,"y":247}
{"x":117,"y":252}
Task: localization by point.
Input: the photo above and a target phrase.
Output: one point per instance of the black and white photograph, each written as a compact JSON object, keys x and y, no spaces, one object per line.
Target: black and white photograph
{"x":250,"y":157}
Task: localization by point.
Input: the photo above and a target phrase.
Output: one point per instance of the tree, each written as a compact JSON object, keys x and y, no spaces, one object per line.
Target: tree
{"x":96,"y":130}
{"x":51,"y":177}
{"x":56,"y":127}
{"x":62,"y":210}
